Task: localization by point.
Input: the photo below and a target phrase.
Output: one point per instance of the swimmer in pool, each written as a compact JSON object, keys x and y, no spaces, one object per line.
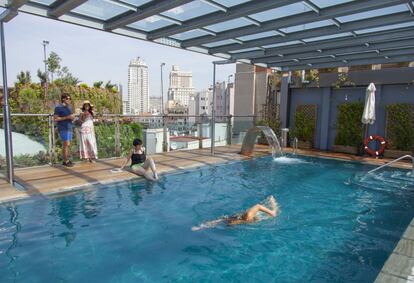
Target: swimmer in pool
{"x":250,"y":215}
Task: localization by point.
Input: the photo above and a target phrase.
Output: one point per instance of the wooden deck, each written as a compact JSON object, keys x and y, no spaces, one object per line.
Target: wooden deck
{"x":7,"y":191}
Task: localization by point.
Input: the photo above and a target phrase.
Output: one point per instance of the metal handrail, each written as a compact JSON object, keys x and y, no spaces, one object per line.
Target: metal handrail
{"x":134,"y":115}
{"x":295,"y":145}
{"x":391,"y":162}
{"x":117,"y":120}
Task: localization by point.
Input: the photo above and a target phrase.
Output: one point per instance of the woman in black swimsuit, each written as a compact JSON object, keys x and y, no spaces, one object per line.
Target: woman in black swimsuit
{"x":140,"y":163}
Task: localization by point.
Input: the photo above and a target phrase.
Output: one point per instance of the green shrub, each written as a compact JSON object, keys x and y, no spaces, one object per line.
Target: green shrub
{"x":304,"y":128}
{"x":26,"y":160}
{"x":349,"y":130}
{"x":400,"y":126}
{"x":105,"y":137}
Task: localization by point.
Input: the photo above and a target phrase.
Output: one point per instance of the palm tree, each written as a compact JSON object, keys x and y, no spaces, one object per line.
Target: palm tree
{"x":24,"y":78}
{"x":42,"y":77}
{"x":109,"y":86}
{"x":98,"y":84}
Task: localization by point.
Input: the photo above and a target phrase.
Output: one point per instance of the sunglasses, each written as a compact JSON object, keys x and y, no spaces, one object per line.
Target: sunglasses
{"x":68,"y":98}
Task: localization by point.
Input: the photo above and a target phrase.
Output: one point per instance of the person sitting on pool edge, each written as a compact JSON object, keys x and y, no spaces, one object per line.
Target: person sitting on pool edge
{"x":248,"y":216}
{"x":140,"y":163}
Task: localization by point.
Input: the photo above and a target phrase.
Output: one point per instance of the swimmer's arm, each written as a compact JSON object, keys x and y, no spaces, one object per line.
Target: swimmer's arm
{"x":266,"y":210}
{"x":208,"y":224}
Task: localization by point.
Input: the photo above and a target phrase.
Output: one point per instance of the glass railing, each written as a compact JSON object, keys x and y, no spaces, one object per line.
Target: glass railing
{"x":36,"y":141}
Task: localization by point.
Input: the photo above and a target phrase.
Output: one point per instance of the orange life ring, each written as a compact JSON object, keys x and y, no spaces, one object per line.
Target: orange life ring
{"x":372,"y":152}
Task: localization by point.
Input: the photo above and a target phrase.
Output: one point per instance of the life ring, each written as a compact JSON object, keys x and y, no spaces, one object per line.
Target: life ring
{"x":372,"y":152}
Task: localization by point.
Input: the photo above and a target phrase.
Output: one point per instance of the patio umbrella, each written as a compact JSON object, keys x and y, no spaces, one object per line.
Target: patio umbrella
{"x":368,"y":116}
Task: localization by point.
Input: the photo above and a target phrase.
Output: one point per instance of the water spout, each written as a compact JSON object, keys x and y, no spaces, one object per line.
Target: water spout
{"x":251,"y":136}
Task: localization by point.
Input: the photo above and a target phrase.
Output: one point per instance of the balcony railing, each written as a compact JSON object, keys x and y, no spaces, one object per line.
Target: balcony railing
{"x":115,"y":133}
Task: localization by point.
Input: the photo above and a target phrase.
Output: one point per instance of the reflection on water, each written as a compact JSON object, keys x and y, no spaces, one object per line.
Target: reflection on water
{"x":14,"y":220}
{"x":92,"y":203}
{"x":67,"y":210}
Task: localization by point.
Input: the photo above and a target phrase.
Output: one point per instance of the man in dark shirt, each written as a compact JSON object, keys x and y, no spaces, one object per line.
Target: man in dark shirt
{"x":63,"y":116}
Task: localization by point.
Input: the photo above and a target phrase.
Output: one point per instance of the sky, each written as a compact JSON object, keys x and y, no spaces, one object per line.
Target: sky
{"x":93,"y":55}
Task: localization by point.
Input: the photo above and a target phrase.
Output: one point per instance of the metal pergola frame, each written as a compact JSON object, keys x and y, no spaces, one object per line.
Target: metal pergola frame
{"x":318,"y":36}
{"x":306,"y":43}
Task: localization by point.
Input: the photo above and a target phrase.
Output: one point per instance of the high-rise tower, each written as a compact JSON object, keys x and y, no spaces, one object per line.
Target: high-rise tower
{"x":138,"y":92}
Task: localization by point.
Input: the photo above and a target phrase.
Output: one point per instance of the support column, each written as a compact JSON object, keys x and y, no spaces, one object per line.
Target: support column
{"x":324,"y":119}
{"x":284,"y":101}
{"x":117,"y":137}
{"x":213,"y":111}
{"x":6,"y":112}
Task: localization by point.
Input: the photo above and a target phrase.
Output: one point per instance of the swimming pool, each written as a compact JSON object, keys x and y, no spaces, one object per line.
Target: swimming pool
{"x":334,"y":227}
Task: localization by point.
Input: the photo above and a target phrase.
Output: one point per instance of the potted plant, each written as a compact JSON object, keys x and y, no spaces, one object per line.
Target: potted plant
{"x":304,"y":129}
{"x":399,"y":130}
{"x":296,"y":80}
{"x":349,"y":130}
{"x":344,"y":81}
{"x":312,"y":77}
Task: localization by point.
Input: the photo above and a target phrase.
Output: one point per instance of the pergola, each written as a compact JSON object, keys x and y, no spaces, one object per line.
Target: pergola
{"x":284,"y":34}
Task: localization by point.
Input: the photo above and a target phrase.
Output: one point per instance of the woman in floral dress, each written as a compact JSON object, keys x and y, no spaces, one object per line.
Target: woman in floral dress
{"x":87,"y":144}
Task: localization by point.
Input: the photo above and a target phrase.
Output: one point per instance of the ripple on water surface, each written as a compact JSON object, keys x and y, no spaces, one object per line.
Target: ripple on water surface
{"x":331,"y":227}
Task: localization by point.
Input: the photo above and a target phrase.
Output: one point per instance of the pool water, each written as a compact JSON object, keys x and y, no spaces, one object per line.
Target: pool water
{"x":336,"y":225}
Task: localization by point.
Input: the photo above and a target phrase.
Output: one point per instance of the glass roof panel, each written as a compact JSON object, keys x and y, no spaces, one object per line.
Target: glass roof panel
{"x":198,"y":49}
{"x":151,"y":23}
{"x":373,"y":13}
{"x":45,"y":2}
{"x":136,"y":2}
{"x":328,"y":3}
{"x":222,"y":55}
{"x":331,"y":36}
{"x":232,"y":24}
{"x":167,"y":41}
{"x":384,"y":28}
{"x":307,"y":26}
{"x":245,"y":50}
{"x":190,"y":10}
{"x":100,"y":9}
{"x":281,"y":12}
{"x":229,"y":3}
{"x":283,"y":44}
{"x":258,"y":35}
{"x":219,"y":43}
{"x":189,"y":34}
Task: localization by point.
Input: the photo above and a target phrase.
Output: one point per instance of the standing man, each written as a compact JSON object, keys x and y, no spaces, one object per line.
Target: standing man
{"x":63,"y":116}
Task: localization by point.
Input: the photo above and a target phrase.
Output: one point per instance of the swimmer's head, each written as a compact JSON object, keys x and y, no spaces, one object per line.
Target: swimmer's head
{"x":236,"y":219}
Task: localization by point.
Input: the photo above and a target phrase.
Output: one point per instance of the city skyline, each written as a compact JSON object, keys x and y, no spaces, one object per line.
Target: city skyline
{"x":90,"y":56}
